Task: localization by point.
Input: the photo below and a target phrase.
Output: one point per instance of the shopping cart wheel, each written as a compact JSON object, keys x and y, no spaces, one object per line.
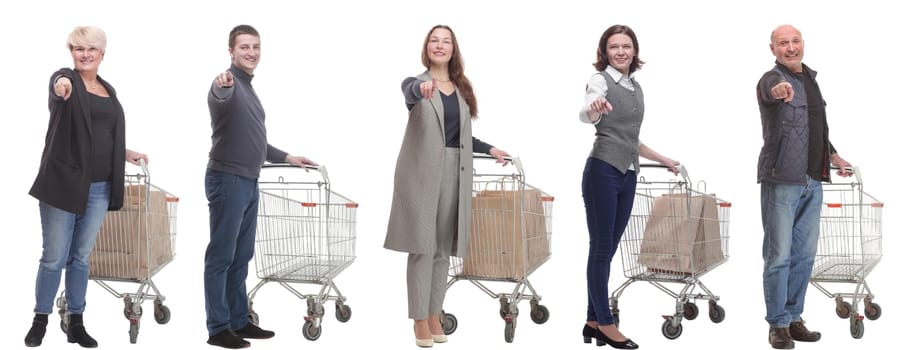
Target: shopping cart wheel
{"x":342,"y":312}
{"x":448,"y":323}
{"x":64,"y":326}
{"x":161,"y":313}
{"x":539,"y":314}
{"x":509,"y":329}
{"x":857,"y":328}
{"x":873,"y":311}
{"x":691,"y":311}
{"x":253,"y":317}
{"x":310,"y":331}
{"x":843,"y":309}
{"x":716,"y":312}
{"x":669,"y":331}
{"x":133,"y":331}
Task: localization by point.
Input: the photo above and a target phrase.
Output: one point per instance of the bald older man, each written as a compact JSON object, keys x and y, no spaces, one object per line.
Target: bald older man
{"x":793,"y":162}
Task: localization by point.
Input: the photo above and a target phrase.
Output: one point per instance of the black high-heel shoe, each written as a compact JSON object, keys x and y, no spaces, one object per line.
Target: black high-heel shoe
{"x":589,"y":333}
{"x":626,"y":344}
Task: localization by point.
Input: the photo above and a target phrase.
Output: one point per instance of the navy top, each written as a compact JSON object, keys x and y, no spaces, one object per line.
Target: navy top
{"x":452,"y":125}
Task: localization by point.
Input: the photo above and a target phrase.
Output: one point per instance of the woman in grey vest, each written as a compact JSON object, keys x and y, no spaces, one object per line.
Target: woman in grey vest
{"x":614,"y":106}
{"x":430,"y":209}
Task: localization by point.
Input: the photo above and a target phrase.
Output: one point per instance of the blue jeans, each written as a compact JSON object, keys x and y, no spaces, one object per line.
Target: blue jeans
{"x":68,"y":240}
{"x":233,"y":203}
{"x":791,"y":227}
{"x":609,"y":197}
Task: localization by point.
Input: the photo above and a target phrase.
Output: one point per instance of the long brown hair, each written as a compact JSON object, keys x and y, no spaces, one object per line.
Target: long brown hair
{"x":455,"y":69}
{"x":602,"y":59}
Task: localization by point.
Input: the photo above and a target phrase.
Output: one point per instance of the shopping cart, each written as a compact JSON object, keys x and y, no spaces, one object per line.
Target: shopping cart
{"x":133,"y":245}
{"x":849,"y":247}
{"x":510,"y":238}
{"x":306,"y":234}
{"x":676,"y":234}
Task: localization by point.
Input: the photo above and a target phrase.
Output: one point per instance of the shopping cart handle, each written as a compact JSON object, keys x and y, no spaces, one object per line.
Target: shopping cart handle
{"x":321,"y":168}
{"x":681,"y":169}
{"x":144,"y":166}
{"x":288,"y":165}
{"x":850,"y":169}
{"x":511,"y":159}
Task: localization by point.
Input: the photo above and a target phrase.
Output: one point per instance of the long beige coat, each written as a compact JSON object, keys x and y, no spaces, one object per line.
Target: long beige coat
{"x":417,"y":179}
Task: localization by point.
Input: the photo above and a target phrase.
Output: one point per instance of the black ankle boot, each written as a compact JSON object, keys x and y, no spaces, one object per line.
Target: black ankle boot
{"x":76,"y":332}
{"x":36,"y":333}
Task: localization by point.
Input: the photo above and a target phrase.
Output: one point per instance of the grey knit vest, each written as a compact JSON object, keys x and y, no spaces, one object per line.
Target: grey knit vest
{"x":618,"y":133}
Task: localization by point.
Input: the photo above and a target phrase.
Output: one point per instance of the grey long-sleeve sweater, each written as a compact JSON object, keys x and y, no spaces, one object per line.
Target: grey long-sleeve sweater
{"x":238,"y":137}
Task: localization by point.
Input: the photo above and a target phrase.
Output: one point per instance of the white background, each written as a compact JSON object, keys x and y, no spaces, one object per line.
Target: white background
{"x":329,"y":80}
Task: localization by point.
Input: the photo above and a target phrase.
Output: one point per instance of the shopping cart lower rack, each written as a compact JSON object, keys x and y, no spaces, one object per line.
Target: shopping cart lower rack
{"x":133,"y":245}
{"x":306,"y":234}
{"x":510,"y":238}
{"x":676,"y":234}
{"x":849,"y":247}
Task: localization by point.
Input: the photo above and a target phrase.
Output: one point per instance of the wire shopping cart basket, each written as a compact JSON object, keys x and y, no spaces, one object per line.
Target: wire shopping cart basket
{"x":676,"y":234}
{"x":306,"y":234}
{"x":511,"y":232}
{"x":133,"y":245}
{"x":849,"y":247}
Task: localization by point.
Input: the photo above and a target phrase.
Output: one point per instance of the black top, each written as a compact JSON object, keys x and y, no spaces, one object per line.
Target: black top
{"x":452,"y":125}
{"x":816,"y":117}
{"x":103,"y":120}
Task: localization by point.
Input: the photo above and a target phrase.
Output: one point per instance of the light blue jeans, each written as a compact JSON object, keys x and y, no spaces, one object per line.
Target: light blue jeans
{"x":68,"y":240}
{"x":791,"y":227}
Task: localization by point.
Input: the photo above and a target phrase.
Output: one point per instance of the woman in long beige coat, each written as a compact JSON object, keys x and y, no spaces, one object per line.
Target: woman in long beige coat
{"x":430,"y":209}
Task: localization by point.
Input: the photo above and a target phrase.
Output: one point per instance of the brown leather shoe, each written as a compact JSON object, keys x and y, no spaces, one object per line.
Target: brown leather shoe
{"x":799,"y":332}
{"x":779,"y":338}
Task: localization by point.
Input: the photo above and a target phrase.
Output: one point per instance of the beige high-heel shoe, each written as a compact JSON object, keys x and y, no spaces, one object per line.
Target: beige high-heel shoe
{"x":424,"y":343}
{"x":439,"y":338}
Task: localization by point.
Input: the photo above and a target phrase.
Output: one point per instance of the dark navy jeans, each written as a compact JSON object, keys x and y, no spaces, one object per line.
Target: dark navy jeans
{"x":233,"y":208}
{"x":609,"y":197}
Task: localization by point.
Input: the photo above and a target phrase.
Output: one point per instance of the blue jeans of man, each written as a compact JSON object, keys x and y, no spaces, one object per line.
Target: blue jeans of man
{"x":608,"y":196}
{"x":68,"y":241}
{"x":791,"y":228}
{"x":233,"y":208}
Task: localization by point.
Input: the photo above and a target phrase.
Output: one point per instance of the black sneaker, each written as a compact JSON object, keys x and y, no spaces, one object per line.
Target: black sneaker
{"x":227,"y":339}
{"x":251,"y":331}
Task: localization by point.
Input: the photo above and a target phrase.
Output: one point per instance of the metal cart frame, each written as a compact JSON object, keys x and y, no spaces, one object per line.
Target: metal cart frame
{"x":510,"y":239}
{"x":306,"y":234}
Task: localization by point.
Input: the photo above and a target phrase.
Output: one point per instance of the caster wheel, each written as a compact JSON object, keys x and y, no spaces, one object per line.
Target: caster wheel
{"x":669,"y":331}
{"x":873,"y":312}
{"x":162,"y":314}
{"x":310,"y":331}
{"x":448,"y":323}
{"x":539,"y":314}
{"x":342,"y":312}
{"x":716,"y":313}
{"x":691,"y":311}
